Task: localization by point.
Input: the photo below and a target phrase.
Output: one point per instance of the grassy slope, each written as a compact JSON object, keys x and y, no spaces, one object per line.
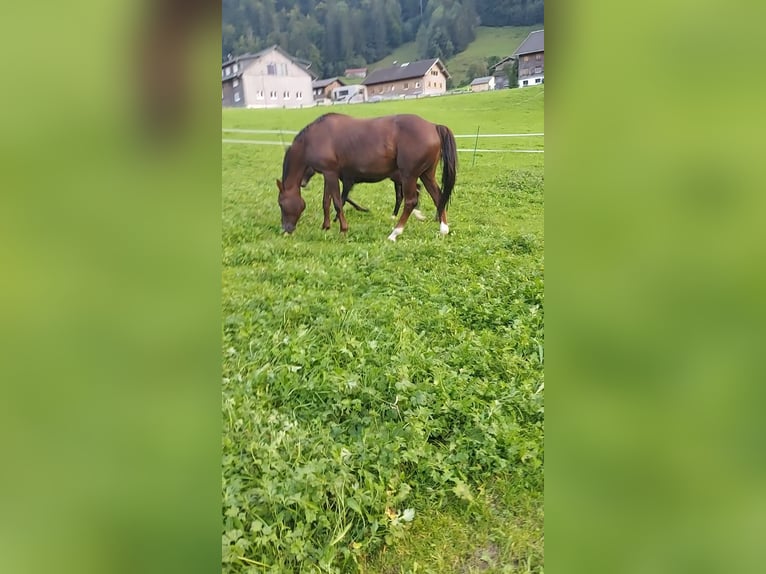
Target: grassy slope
{"x":489,"y":42}
{"x":308,"y":315}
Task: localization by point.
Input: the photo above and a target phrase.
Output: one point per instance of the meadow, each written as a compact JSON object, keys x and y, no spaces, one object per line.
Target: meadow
{"x":383,"y":402}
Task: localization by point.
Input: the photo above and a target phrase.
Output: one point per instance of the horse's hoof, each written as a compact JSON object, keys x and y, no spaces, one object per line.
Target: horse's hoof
{"x":395,"y":233}
{"x":443,"y":228}
{"x":418,"y":215}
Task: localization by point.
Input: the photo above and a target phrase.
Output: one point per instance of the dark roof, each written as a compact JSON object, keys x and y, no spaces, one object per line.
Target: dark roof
{"x":482,"y":80}
{"x":499,"y":65}
{"x":305,"y":64}
{"x":403,"y":72}
{"x":326,"y":82}
{"x":535,"y":42}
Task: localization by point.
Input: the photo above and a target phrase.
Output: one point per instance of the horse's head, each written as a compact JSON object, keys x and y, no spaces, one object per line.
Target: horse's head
{"x":292,"y":205}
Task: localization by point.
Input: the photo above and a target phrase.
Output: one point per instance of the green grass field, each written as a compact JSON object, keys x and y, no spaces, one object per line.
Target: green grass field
{"x":489,"y":42}
{"x":383,"y":402}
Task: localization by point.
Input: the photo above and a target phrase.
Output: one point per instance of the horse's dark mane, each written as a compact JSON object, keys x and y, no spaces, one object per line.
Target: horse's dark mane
{"x":299,"y":139}
{"x":319,"y":120}
{"x":286,"y":163}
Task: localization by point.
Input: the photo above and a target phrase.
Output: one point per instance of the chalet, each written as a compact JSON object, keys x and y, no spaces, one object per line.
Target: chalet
{"x":483,"y":84}
{"x":323,"y":88}
{"x":421,"y":78}
{"x":270,"y":78}
{"x":531,"y":57}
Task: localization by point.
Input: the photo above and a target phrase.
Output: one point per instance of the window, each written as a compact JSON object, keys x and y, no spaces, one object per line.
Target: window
{"x":538,"y":69}
{"x":281,"y":69}
{"x":298,"y":95}
{"x":235,"y":68}
{"x":228,"y":70}
{"x":259,"y":95}
{"x":271,"y":69}
{"x":236,"y":96}
{"x":525,"y":83}
{"x":538,"y":80}
{"x":525,"y":71}
{"x":526,"y":58}
{"x":286,"y":95}
{"x":273,"y":94}
{"x":392,"y":88}
{"x":417,"y":84}
{"x":406,"y":86}
{"x":236,"y":82}
{"x":538,"y":57}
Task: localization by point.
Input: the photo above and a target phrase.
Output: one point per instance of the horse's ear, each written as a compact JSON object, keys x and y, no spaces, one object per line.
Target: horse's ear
{"x":279,"y":185}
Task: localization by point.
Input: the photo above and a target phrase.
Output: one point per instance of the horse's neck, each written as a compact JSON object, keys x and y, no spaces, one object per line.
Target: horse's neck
{"x":297,"y":164}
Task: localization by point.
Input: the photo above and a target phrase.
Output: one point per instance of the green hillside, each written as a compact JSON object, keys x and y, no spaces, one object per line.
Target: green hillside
{"x":499,"y":42}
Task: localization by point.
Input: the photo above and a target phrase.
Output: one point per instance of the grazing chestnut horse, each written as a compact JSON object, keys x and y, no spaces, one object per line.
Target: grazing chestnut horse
{"x":347,"y":185}
{"x":339,"y":146}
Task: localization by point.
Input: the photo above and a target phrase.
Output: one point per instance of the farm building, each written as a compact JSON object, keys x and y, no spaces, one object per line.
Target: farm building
{"x":355,"y":72}
{"x":323,"y":88}
{"x":531,"y":57}
{"x":483,"y":84}
{"x":421,"y":78}
{"x":270,"y":78}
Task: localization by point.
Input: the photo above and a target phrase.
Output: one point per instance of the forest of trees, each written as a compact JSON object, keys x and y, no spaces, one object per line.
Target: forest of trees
{"x":338,"y":34}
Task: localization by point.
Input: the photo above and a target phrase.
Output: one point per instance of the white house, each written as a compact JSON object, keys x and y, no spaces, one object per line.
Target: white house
{"x":269,"y":79}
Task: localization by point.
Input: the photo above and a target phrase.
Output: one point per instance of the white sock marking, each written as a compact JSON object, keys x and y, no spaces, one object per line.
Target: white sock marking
{"x":395,"y":232}
{"x":443,"y":228}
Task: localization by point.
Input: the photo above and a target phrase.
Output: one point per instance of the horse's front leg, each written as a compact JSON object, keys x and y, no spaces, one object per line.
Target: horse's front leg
{"x":332,"y":190}
{"x":410,"y":191}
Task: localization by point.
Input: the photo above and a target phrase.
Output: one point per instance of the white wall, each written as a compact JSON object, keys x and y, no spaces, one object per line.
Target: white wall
{"x":532,"y":81}
{"x":262,"y":90}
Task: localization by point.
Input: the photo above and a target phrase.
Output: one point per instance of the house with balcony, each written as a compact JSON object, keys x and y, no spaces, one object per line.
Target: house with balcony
{"x":531,"y":58}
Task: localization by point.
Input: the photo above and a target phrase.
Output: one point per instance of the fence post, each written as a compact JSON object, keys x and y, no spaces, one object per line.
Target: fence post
{"x":475,"y":145}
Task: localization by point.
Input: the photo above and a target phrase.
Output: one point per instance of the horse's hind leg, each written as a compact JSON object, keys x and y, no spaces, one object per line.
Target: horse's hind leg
{"x":326,"y":200}
{"x":410,"y":191}
{"x":400,"y":196}
{"x":345,"y":198}
{"x":429,"y":180}
{"x":332,"y":189}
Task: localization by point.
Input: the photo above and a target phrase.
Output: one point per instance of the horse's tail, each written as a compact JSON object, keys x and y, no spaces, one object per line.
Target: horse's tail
{"x":449,"y":165}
